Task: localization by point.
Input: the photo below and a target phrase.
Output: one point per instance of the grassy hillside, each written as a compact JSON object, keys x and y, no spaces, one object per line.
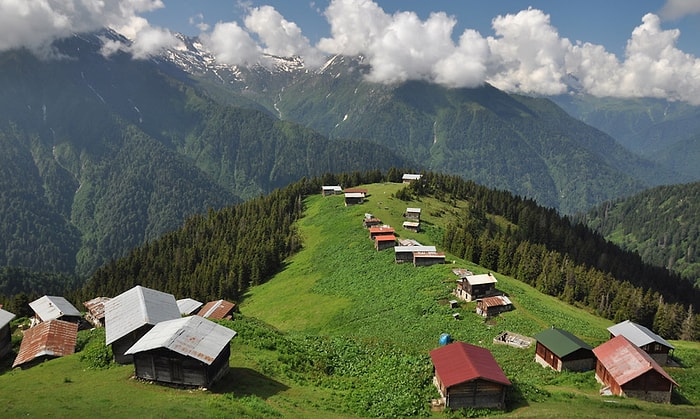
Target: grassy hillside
{"x":342,"y":331}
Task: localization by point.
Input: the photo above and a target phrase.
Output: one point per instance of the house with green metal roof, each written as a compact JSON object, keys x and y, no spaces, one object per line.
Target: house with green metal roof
{"x":561,"y":350}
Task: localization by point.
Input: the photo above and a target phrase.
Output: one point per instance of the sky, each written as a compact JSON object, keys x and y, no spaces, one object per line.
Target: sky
{"x":618,"y":48}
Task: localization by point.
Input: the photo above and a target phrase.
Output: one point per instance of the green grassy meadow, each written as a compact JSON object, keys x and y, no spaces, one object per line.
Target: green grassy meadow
{"x":343,"y":331}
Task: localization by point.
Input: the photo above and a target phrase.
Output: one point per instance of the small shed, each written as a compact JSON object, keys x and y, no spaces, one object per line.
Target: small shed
{"x":562,"y":351}
{"x":468,"y":376}
{"x":328,"y":190}
{"x":51,"y":307}
{"x":651,"y":343}
{"x":472,"y":287}
{"x":131,"y":314}
{"x":354,"y":198}
{"x":410,"y":177}
{"x":5,"y":332}
{"x":361,"y":191}
{"x":493,"y":306}
{"x":189,"y":351}
{"x":384,"y":241}
{"x":413,"y":226}
{"x":95,"y":313}
{"x":405,"y":253}
{"x":626,"y":370}
{"x":412,"y":214}
{"x":372,"y":221}
{"x":428,"y":258}
{"x":188,"y":306}
{"x":384,"y":230}
{"x":49,"y":339}
{"x":219,"y":310}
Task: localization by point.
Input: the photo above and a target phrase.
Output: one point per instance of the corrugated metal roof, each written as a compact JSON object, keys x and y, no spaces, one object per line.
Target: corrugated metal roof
{"x":331,"y":188}
{"x":5,"y":317}
{"x":218,"y":309}
{"x":461,"y":272}
{"x":382,"y":229}
{"x":637,"y":334}
{"x":400,"y":249}
{"x":481,"y":279}
{"x":385,"y":238}
{"x":192,"y":336}
{"x":136,"y":307}
{"x":495,"y":301}
{"x":188,"y":306}
{"x":410,"y":242}
{"x":51,"y":307}
{"x":428,"y":254}
{"x":411,"y":176}
{"x":625,"y":361}
{"x":561,"y":342}
{"x":459,"y":362}
{"x":414,"y":224}
{"x":356,"y":190}
{"x":354,"y":195}
{"x":96,"y":307}
{"x":51,"y":338}
{"x":413,"y":210}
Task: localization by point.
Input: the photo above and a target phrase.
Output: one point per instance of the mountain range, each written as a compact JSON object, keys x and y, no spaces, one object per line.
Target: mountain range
{"x":102,"y":154}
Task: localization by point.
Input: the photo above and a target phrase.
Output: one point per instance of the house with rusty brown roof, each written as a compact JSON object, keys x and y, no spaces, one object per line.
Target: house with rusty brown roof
{"x":189,"y":351}
{"x":219,"y":309}
{"x":5,"y":332}
{"x":384,"y":241}
{"x":46,"y":340}
{"x":95,"y":313}
{"x":493,"y":306}
{"x":626,"y":370}
{"x":468,"y":376}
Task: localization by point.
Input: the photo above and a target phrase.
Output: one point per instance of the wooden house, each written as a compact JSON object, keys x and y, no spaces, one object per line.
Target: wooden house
{"x":354,"y":198}
{"x":472,"y":287}
{"x":413,"y":226}
{"x":562,"y":351}
{"x":405,"y":253}
{"x":626,"y":370}
{"x":468,"y":376}
{"x":131,"y":314}
{"x":381,"y":231}
{"x":384,"y":241}
{"x":371,"y":221}
{"x":493,"y":306}
{"x":46,"y":340}
{"x":410,"y":177}
{"x":412,"y":214}
{"x":188,"y":306}
{"x":5,"y":332}
{"x":651,"y":343}
{"x":51,"y":307}
{"x":428,"y":258}
{"x":95,"y":313}
{"x":328,"y":190}
{"x":219,"y":310}
{"x":189,"y":351}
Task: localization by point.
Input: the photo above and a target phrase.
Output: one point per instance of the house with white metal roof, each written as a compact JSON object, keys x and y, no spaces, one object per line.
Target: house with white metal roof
{"x":131,"y":314}
{"x":188,"y":306}
{"x":410,"y":177}
{"x":51,"y":307}
{"x":648,"y":341}
{"x":191,"y":351}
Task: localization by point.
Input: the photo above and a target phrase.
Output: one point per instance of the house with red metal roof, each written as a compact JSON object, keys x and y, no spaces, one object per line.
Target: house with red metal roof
{"x":219,"y":309}
{"x":381,"y":230}
{"x":468,"y":376}
{"x":626,"y":370}
{"x":50,"y":339}
{"x":384,"y":241}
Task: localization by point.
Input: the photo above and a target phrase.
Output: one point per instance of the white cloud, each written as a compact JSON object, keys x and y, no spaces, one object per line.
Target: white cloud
{"x":676,"y":9}
{"x":232,"y":45}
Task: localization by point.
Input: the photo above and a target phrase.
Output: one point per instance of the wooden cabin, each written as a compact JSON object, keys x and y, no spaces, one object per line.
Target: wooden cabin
{"x":189,"y":351}
{"x":381,"y":231}
{"x":410,"y":177}
{"x":562,"y":351}
{"x":328,"y":190}
{"x":626,"y":370}
{"x":95,"y":313}
{"x":219,"y":310}
{"x":371,"y":221}
{"x":384,"y":241}
{"x":131,"y":314}
{"x":468,"y":376}
{"x":188,"y":306}
{"x":472,"y":287}
{"x":405,"y":253}
{"x":46,"y":340}
{"x":413,"y":226}
{"x":5,"y":332}
{"x":428,"y":258}
{"x":51,"y":307}
{"x":354,"y":198}
{"x":493,"y":306}
{"x":651,"y":343}
{"x":412,"y":214}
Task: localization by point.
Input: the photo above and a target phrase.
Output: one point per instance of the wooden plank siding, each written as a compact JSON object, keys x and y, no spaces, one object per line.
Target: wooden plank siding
{"x":165,"y":366}
{"x":477,"y":393}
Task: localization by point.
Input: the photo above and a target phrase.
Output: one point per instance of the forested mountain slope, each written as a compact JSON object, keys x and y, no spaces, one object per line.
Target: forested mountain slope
{"x":661,"y":224}
{"x":100,"y":155}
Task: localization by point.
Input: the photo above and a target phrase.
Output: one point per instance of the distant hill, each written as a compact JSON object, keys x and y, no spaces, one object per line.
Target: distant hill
{"x":661,"y":224}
